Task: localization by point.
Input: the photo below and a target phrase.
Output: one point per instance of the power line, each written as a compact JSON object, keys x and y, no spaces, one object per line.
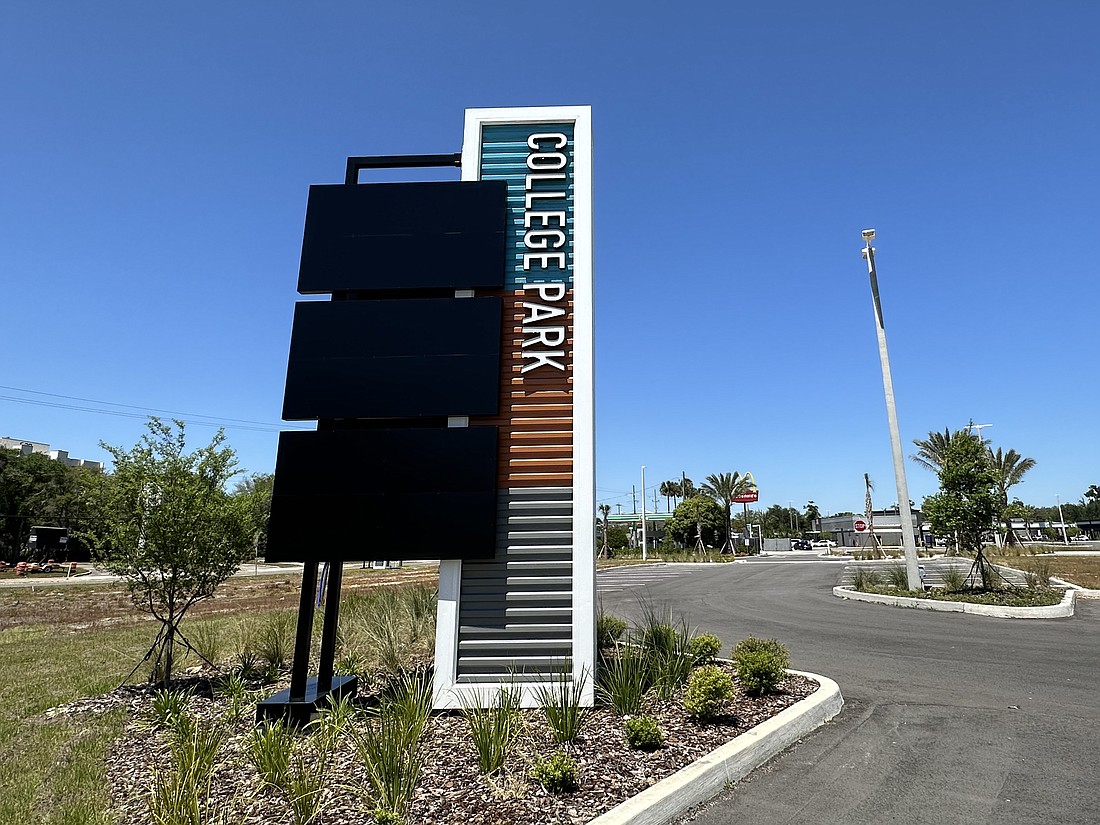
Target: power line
{"x":189,"y":418}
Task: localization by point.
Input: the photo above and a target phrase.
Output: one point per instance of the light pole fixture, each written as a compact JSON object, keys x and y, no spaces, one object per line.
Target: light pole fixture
{"x":644,"y":556}
{"x":1062,"y":519}
{"x":979,"y":428}
{"x":912,"y":570}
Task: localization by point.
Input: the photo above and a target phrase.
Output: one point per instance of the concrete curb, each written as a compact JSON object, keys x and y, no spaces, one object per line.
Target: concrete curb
{"x":1054,"y":611}
{"x":709,"y":776}
{"x":1082,"y":592}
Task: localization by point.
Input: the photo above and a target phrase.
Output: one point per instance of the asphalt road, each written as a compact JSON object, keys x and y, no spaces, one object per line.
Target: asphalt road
{"x":949,"y":718}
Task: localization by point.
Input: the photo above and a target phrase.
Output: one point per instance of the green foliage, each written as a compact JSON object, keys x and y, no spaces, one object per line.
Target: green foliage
{"x":270,"y":747}
{"x":761,"y":664}
{"x":700,"y":509}
{"x":704,"y":647}
{"x":390,"y":629}
{"x":276,"y":638}
{"x":643,"y":733}
{"x":167,"y":706}
{"x":865,"y":579}
{"x":954,"y":580}
{"x":609,"y":629}
{"x":561,"y":704}
{"x":618,"y":538}
{"x":623,"y":679}
{"x":897,"y":577}
{"x":34,"y":489}
{"x":708,"y":691}
{"x":665,"y":645}
{"x":1037,"y":573}
{"x":723,"y":488}
{"x":557,"y":773}
{"x":493,"y":729}
{"x":255,"y":490}
{"x":168,"y":527}
{"x":966,"y":502}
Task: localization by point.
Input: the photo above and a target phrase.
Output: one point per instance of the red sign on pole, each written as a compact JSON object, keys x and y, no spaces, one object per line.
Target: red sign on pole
{"x":747,"y":497}
{"x":860,"y":525}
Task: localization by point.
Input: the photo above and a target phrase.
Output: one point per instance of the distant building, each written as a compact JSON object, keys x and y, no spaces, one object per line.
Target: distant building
{"x":887,"y":529}
{"x":27,"y":447}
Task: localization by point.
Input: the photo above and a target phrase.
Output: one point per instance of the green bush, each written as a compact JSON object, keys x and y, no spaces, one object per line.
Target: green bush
{"x":708,"y":690}
{"x":704,"y":647}
{"x":558,"y":773}
{"x":643,"y":733}
{"x":761,"y":664}
{"x":609,"y":629}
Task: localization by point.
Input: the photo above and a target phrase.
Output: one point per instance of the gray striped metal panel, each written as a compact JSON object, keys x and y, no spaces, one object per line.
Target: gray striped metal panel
{"x":515,"y":612}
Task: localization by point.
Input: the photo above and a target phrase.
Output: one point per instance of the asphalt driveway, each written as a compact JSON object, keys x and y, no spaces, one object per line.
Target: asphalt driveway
{"x":949,"y":718}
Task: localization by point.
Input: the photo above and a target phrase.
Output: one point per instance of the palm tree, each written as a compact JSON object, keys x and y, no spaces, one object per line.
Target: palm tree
{"x":931,"y":450}
{"x":670,"y":489}
{"x":1009,"y":468}
{"x":723,"y":488}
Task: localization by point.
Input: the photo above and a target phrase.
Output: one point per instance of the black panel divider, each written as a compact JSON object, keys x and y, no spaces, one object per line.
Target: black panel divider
{"x":381,"y":368}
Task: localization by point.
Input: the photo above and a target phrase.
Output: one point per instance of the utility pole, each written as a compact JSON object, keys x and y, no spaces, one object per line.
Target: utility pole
{"x":912,"y":570}
{"x":644,"y":544}
{"x":633,"y":499}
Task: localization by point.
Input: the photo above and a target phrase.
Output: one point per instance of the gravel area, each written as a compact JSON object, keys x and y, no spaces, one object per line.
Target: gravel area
{"x":450,"y":789}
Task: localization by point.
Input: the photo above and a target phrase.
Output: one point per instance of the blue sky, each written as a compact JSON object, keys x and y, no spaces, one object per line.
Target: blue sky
{"x":155,"y":159}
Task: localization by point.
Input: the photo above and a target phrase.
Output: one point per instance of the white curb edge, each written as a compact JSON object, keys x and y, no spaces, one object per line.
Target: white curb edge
{"x":708,"y":776}
{"x":1054,"y":611}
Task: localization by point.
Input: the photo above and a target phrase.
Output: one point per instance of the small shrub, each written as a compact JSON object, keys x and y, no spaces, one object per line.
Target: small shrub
{"x":708,"y":690}
{"x":557,"y":773}
{"x":761,"y":664}
{"x":704,"y":647}
{"x":643,"y":733}
{"x":609,"y":629}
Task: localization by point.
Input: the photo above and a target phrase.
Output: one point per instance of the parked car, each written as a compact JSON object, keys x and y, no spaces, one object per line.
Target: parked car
{"x":823,"y":543}
{"x":1080,"y":537}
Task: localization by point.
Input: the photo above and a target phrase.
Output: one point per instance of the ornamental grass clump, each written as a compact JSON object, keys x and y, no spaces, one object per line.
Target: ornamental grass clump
{"x":624,"y":679}
{"x":557,"y":773}
{"x":708,"y":691}
{"x":761,"y":665}
{"x":561,"y":704}
{"x":954,"y":580}
{"x":643,"y":733}
{"x":864,"y":579}
{"x":897,"y":577}
{"x":493,"y":729}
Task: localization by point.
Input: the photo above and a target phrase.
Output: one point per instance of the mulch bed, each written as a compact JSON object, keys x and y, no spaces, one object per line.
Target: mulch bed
{"x":450,"y":789}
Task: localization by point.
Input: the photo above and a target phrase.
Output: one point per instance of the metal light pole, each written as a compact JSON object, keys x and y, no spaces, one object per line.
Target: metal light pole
{"x":979,"y":428}
{"x":912,"y":570}
{"x":644,"y":556}
{"x":1061,"y":518}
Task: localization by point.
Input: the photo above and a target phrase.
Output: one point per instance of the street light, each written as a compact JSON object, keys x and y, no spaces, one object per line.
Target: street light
{"x":644,"y":557}
{"x":912,"y":571}
{"x":1061,"y":518}
{"x":979,"y":428}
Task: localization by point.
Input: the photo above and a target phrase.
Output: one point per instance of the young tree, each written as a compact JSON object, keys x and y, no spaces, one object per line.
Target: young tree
{"x":256,"y":490}
{"x":169,"y":528}
{"x":692,"y":514}
{"x":966,"y":503}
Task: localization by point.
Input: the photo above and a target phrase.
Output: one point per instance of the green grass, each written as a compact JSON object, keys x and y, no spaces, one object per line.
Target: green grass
{"x":51,"y":770}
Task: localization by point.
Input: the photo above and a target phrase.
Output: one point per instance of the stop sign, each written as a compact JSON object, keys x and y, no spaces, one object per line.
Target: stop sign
{"x":860,"y":525}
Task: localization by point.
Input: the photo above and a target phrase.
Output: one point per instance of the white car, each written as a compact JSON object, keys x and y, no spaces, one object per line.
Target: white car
{"x":823,"y":543}
{"x":1080,"y":537}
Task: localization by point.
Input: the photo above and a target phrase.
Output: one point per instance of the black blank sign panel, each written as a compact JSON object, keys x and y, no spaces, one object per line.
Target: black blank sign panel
{"x":347,"y":495}
{"x":389,"y":236}
{"x":394,"y":359}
